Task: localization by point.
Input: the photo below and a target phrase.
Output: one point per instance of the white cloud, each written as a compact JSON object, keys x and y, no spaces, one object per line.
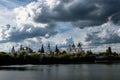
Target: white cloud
{"x":105,"y":34}
{"x":25,"y":15}
{"x":38,"y":22}
{"x":6,"y":16}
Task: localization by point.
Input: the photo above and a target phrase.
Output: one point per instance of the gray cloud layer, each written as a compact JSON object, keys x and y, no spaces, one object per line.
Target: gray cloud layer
{"x":80,"y":12}
{"x":13,"y":34}
{"x":39,"y":18}
{"x":107,"y":33}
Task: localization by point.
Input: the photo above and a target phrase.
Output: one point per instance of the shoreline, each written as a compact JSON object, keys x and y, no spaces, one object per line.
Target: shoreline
{"x":96,"y":62}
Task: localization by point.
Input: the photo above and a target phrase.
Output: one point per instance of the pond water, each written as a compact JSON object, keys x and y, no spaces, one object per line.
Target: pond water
{"x":61,"y":72}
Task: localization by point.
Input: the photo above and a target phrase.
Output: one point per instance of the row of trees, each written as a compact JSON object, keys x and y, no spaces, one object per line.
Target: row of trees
{"x":34,"y":58}
{"x":63,"y":58}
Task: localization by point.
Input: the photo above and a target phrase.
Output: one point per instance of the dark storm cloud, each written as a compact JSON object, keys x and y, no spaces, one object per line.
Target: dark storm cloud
{"x":115,"y":18}
{"x":104,"y":34}
{"x":81,"y":12}
{"x":95,"y":40}
{"x":13,"y":34}
{"x":35,"y":32}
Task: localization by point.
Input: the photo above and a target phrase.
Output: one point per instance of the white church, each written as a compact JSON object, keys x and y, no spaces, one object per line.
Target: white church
{"x":77,"y":49}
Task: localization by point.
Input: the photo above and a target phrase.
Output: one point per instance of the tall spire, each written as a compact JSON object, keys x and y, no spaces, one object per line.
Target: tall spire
{"x":79,"y":45}
{"x":73,"y":45}
{"x":42,"y":49}
{"x":56,"y":49}
{"x":13,"y":50}
{"x":48,"y":45}
{"x":21,"y":48}
{"x":49,"y":49}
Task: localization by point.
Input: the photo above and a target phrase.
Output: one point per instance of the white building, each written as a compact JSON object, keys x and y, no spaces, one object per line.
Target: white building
{"x":49,"y":51}
{"x":75,"y":49}
{"x":27,"y":50}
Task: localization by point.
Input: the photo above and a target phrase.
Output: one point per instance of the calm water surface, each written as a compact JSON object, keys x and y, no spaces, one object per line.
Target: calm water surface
{"x":61,"y":72}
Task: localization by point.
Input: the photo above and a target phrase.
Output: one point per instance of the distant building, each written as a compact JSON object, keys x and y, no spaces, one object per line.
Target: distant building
{"x":26,"y":50}
{"x":75,"y":49}
{"x":41,"y":50}
{"x":57,"y":51}
{"x":71,"y":49}
{"x":49,"y":51}
{"x":13,"y":50}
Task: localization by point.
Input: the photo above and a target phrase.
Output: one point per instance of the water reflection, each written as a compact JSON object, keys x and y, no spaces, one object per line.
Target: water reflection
{"x":18,"y":67}
{"x":13,"y":68}
{"x":61,"y":72}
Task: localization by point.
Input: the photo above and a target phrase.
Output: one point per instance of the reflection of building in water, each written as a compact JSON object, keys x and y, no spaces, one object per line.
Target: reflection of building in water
{"x":75,"y":49}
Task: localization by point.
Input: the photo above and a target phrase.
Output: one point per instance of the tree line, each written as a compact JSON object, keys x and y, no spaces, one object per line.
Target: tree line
{"x":62,"y":58}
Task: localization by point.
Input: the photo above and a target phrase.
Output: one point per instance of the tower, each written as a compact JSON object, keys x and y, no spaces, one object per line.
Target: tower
{"x":42,"y":49}
{"x":13,"y":50}
{"x":56,"y":50}
{"x":21,"y":48}
{"x":49,"y":49}
{"x":73,"y":48}
{"x":79,"y":48}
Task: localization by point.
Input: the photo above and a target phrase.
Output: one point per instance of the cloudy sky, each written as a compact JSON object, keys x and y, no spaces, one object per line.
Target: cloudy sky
{"x":94,"y":23}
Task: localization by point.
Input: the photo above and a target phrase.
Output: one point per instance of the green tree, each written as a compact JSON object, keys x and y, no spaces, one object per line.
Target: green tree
{"x":42,"y":49}
{"x":79,"y":45}
{"x":56,"y":49}
{"x":109,"y":51}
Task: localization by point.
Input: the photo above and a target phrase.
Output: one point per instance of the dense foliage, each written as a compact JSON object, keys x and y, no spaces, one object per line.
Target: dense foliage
{"x":63,"y":58}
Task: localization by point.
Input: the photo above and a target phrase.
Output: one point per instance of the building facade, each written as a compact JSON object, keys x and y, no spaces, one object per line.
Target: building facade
{"x":75,"y":49}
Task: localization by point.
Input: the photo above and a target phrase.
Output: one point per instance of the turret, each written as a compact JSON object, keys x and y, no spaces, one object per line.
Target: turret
{"x":49,"y":49}
{"x":13,"y":50}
